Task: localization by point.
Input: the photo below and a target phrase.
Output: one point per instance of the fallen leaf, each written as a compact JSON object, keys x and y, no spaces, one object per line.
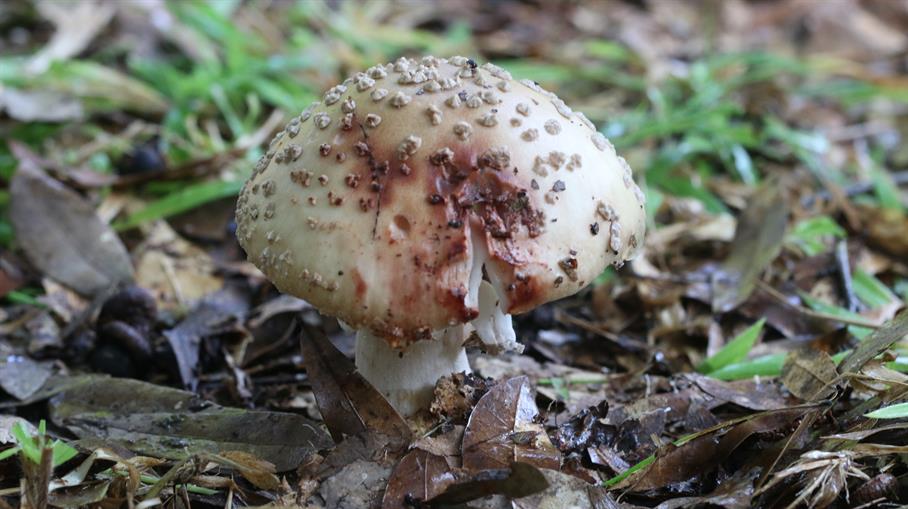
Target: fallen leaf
{"x":878,"y":342}
{"x":734,"y":493}
{"x":258,"y":471}
{"x":21,"y":377}
{"x":76,"y":25}
{"x":216,"y":313}
{"x":520,"y":480}
{"x":348,"y":403}
{"x":699,"y":455}
{"x":170,"y":423}
{"x":39,"y":105}
{"x":419,"y":477}
{"x":750,"y":394}
{"x":809,"y":374}
{"x":758,"y":239}
{"x":177,"y":272}
{"x":60,"y":233}
{"x":503,"y":430}
{"x":886,"y":229}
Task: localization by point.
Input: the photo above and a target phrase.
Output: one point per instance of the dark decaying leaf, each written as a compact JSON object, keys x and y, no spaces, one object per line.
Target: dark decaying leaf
{"x":213,"y":314}
{"x":734,"y":493}
{"x":586,"y":429}
{"x":758,"y":239}
{"x":809,"y":374}
{"x":750,"y":394}
{"x":348,"y":403}
{"x":877,"y":343}
{"x":520,"y":480}
{"x":169,"y":423}
{"x":61,"y":234}
{"x":21,"y":377}
{"x":503,"y":430}
{"x":703,"y":453}
{"x":419,"y":477}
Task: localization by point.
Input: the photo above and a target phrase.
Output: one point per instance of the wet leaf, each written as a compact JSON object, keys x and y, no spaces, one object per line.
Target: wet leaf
{"x":218,"y":312}
{"x":348,"y":403}
{"x":758,"y":239}
{"x":698,"y":454}
{"x":520,"y":480}
{"x":896,"y":411}
{"x":735,"y":351}
{"x":734,"y":493}
{"x":169,"y":423}
{"x":809,"y":374}
{"x":419,"y":477}
{"x":878,"y":342}
{"x":21,"y":377}
{"x":502,"y":430}
{"x":60,"y":233}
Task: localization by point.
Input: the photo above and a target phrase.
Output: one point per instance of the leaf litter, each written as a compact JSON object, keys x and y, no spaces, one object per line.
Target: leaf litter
{"x":754,"y":355}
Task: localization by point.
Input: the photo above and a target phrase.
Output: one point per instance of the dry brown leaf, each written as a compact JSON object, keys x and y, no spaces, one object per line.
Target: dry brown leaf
{"x":175,"y":271}
{"x":503,"y":429}
{"x":60,"y":233}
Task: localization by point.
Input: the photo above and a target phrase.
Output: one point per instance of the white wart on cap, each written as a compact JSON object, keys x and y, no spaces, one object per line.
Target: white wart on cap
{"x":388,"y":202}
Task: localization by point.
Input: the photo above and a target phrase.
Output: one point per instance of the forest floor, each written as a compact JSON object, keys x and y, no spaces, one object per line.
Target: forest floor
{"x":754,"y":355}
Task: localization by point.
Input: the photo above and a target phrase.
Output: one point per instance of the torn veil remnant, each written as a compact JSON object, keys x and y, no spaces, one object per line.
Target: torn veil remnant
{"x":455,"y":197}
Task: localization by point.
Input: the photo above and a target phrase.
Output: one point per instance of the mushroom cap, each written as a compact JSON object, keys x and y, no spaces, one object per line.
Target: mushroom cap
{"x":387,"y":203}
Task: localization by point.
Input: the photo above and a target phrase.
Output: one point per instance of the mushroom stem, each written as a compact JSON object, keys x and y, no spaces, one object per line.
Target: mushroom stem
{"x":407,"y":377}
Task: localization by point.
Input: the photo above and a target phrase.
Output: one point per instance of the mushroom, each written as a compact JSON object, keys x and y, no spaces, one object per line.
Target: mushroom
{"x":424,"y":202}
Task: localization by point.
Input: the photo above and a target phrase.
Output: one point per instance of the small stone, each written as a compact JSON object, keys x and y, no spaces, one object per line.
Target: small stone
{"x":516,"y":122}
{"x":523,"y":109}
{"x":324,"y":149}
{"x":529,"y":135}
{"x":349,"y":105}
{"x":558,"y":186}
{"x":323,"y":180}
{"x":473,"y":102}
{"x":574,"y":162}
{"x":452,"y":102}
{"x":552,"y":126}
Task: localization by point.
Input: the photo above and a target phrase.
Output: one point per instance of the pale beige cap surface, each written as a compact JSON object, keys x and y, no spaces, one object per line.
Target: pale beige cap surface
{"x":382,"y":203}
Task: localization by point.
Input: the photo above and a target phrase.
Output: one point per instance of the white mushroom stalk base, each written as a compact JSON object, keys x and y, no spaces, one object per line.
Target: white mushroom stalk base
{"x":407,"y":377}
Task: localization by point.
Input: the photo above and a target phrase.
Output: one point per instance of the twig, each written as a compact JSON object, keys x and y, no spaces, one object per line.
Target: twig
{"x":844,"y":268}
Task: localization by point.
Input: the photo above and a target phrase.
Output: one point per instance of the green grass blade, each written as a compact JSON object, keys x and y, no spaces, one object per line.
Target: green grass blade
{"x":896,"y":411}
{"x":180,"y":201}
{"x":735,"y":351}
